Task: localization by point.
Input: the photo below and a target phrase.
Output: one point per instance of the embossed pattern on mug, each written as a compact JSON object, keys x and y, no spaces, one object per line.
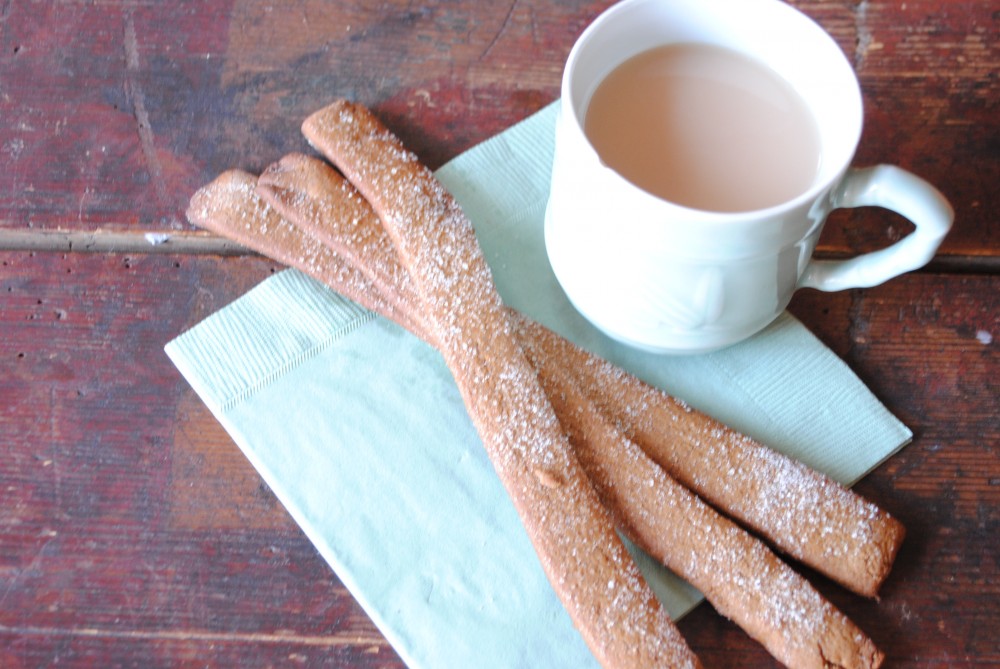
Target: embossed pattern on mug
{"x":706,"y":128}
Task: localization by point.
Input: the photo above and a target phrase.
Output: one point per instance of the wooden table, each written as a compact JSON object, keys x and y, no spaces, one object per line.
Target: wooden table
{"x":133,"y":532}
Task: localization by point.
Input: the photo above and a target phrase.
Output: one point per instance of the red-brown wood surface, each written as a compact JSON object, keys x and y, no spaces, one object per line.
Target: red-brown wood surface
{"x":134,"y":533}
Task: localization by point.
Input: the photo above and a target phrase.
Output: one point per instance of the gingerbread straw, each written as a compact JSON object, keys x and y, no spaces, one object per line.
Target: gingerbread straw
{"x":588,"y":566}
{"x":801,"y":511}
{"x":775,"y":605}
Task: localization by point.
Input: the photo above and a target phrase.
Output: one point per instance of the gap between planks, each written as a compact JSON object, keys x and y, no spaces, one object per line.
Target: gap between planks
{"x":60,"y":241}
{"x":204,"y":243}
{"x":332,"y":640}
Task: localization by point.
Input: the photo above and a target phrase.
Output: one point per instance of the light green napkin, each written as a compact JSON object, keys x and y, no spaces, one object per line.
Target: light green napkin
{"x":359,"y":430}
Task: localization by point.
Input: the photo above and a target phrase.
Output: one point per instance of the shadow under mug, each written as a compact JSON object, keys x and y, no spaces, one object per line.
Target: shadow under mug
{"x":672,"y":279}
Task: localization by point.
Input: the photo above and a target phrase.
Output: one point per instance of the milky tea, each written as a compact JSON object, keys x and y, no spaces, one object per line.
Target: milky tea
{"x":704,"y":127}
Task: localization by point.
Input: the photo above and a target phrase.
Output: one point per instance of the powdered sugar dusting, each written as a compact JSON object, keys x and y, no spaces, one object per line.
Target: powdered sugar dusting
{"x":801,"y":511}
{"x":230,"y":207}
{"x":570,"y":529}
{"x":659,"y":515}
{"x":740,"y":576}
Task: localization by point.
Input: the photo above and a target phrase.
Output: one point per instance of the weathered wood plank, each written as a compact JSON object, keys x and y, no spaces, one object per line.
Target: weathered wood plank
{"x":134,"y":532}
{"x":118,"y":111}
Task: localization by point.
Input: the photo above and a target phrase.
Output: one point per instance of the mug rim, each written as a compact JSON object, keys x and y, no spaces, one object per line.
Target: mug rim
{"x":830,"y":171}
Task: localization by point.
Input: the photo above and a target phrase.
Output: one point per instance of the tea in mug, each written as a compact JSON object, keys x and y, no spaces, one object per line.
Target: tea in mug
{"x":704,"y":127}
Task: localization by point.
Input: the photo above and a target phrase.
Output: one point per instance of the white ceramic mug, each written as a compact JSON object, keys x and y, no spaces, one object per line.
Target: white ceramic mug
{"x":668,"y":278}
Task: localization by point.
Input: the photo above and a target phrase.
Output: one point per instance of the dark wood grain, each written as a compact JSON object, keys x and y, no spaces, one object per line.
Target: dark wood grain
{"x":132,"y":530}
{"x":123,"y":109}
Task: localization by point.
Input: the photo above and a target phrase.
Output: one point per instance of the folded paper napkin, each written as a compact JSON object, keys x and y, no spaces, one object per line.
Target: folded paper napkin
{"x":359,"y":430}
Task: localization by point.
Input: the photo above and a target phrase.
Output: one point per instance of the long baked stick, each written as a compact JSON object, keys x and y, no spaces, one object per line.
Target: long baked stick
{"x":801,"y":511}
{"x":311,"y":195}
{"x":589,"y":568}
{"x":780,"y":610}
{"x":230,"y":207}
{"x":740,"y":576}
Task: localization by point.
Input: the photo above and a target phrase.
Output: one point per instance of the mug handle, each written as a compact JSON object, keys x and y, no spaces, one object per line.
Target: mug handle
{"x":905,"y":193}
